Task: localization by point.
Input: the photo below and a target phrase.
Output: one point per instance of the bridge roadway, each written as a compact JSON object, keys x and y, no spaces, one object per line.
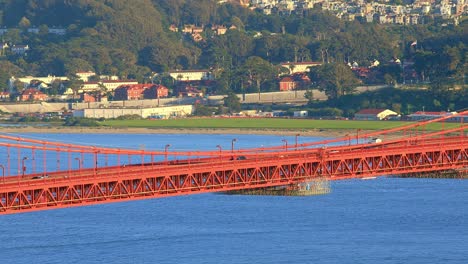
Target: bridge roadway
{"x":226,"y":171}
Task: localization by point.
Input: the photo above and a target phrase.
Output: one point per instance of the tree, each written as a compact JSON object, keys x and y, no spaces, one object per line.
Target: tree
{"x":309,"y":95}
{"x":24,"y":23}
{"x":232,"y":102}
{"x":75,"y":84}
{"x":259,"y":71}
{"x":202,"y":110}
{"x":7,"y":70}
{"x":335,"y":79}
{"x":43,"y":30}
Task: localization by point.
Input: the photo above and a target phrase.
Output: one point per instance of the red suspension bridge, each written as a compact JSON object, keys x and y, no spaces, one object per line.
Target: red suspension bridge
{"x":40,"y":175}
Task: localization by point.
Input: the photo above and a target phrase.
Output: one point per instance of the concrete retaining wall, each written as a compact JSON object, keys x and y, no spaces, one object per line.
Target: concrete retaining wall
{"x":271,"y":97}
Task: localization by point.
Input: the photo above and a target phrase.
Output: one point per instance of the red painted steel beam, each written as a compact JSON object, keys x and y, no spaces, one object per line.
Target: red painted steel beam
{"x":112,"y":184}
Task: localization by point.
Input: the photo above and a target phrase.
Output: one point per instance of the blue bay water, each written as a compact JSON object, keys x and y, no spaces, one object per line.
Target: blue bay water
{"x":386,"y":220}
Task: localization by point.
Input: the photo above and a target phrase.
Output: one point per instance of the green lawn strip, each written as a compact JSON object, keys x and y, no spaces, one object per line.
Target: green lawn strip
{"x":265,"y":123}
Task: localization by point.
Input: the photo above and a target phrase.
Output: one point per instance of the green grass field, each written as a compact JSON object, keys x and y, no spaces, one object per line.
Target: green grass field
{"x":265,"y":123}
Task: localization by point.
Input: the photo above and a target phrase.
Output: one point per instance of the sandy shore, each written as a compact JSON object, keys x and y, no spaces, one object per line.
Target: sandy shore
{"x":107,"y":130}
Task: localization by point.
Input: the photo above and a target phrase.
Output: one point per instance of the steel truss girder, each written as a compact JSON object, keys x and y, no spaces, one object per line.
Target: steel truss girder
{"x":224,"y":176}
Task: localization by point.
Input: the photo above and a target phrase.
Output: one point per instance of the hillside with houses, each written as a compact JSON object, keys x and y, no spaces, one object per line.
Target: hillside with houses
{"x":99,"y":52}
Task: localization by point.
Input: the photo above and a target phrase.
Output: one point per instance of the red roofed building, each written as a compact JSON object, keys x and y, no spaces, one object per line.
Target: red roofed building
{"x":297,"y":81}
{"x":87,"y":98}
{"x":129,"y":92}
{"x":362,"y":72}
{"x":287,"y":84}
{"x":189,"y":91}
{"x":4,"y":95}
{"x":156,"y":91}
{"x":374,"y":114}
{"x":32,"y":95}
{"x":140,"y":91}
{"x":111,"y":85}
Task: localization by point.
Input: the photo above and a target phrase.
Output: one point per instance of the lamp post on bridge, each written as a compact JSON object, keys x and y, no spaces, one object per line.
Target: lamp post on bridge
{"x":220,"y":149}
{"x":297,"y":135}
{"x":79,"y":163}
{"x":232,"y":144}
{"x":95,"y":160}
{"x":357,"y":136}
{"x":3,"y":172}
{"x":23,"y":165}
{"x":165,"y":151}
{"x":285,"y":144}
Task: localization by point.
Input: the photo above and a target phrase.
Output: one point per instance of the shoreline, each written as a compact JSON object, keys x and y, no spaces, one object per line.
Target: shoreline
{"x":110,"y":130}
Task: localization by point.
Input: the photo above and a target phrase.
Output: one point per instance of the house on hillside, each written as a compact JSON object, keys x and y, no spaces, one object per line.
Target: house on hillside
{"x":192,"y":29}
{"x":297,"y":81}
{"x":219,"y":30}
{"x":287,"y":83}
{"x":85,"y":75}
{"x":129,"y":92}
{"x":87,"y":98}
{"x":299,"y":67}
{"x":26,"y":81}
{"x":105,"y":85}
{"x":32,"y":94}
{"x":189,"y":91}
{"x":374,"y":114}
{"x":191,"y":75}
{"x":111,"y":85}
{"x":197,"y":37}
{"x":140,"y":91}
{"x":19,"y":49}
{"x":156,"y":91}
{"x":173,"y":28}
{"x":4,"y":96}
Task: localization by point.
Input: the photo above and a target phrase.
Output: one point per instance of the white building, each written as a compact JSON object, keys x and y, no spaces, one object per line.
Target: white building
{"x":374,"y":114}
{"x":157,"y":112}
{"x":302,"y":113}
{"x":58,"y":31}
{"x":109,"y":85}
{"x":19,"y":49}
{"x":299,"y":67}
{"x":27,"y":80}
{"x":84,"y":76}
{"x":191,"y":75}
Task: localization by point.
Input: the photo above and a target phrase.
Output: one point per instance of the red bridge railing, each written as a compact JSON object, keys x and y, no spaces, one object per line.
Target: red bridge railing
{"x":39,"y":175}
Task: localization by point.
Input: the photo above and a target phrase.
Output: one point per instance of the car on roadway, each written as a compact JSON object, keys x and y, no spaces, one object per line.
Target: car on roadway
{"x":45,"y":176}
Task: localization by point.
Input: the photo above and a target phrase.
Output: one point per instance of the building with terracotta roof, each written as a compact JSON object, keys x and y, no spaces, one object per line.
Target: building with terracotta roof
{"x":140,"y":91}
{"x":4,"y":95}
{"x":297,"y":81}
{"x":156,"y":91}
{"x":287,"y":84}
{"x":32,"y":95}
{"x":87,"y":98}
{"x":189,"y":91}
{"x":111,"y":85}
{"x":108,"y":85}
{"x":173,"y":28}
{"x":129,"y":92}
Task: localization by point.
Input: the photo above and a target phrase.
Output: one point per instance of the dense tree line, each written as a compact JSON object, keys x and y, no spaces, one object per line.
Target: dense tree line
{"x":131,"y":39}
